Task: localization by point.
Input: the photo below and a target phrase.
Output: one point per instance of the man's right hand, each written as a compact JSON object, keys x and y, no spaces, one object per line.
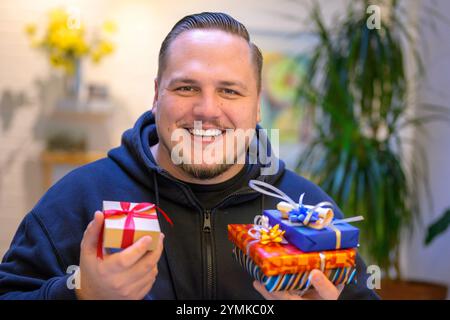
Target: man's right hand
{"x":128,"y":274}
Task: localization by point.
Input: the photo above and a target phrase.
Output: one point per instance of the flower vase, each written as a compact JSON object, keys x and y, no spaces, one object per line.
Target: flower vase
{"x":73,"y":83}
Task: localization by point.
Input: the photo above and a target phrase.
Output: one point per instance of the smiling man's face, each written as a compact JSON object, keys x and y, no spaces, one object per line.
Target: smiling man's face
{"x":209,"y":77}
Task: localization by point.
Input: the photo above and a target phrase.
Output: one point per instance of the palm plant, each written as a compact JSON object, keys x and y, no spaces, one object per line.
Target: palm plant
{"x":357,"y":91}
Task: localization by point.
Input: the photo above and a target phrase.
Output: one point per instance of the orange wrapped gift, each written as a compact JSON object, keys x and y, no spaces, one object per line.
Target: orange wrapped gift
{"x":276,"y":258}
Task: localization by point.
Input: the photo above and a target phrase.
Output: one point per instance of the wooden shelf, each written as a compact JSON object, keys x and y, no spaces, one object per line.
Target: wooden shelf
{"x":71,"y":115}
{"x":72,"y":158}
{"x":50,"y":159}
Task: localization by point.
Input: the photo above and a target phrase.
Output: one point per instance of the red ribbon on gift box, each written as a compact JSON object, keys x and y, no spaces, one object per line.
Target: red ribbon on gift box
{"x":138,"y":211}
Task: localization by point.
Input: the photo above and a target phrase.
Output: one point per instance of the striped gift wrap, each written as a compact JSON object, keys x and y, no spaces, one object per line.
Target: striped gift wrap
{"x":296,"y":281}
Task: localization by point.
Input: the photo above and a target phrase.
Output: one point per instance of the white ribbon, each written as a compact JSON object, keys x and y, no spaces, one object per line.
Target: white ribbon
{"x":261,"y":187}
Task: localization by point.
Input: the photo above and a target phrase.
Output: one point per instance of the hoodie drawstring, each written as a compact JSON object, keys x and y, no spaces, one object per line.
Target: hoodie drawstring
{"x":155,"y":186}
{"x":156,"y":189}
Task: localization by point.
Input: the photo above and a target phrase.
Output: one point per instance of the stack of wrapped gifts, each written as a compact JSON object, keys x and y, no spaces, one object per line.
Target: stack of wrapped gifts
{"x":282,"y":246}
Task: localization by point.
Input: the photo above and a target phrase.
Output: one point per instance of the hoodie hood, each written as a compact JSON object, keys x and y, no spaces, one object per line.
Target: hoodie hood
{"x":135,"y":158}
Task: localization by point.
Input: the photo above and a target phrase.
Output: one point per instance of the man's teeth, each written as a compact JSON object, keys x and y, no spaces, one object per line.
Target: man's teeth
{"x":206,"y":133}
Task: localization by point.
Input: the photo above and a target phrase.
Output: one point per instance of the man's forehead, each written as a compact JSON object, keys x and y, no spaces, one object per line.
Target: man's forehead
{"x":198,"y":40}
{"x":226,"y":56}
{"x":216,"y":36}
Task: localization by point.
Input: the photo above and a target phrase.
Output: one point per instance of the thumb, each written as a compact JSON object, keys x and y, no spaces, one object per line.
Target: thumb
{"x":324,"y":287}
{"x":90,"y":238}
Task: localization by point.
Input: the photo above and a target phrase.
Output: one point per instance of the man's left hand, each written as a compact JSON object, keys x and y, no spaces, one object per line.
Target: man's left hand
{"x":324,"y":289}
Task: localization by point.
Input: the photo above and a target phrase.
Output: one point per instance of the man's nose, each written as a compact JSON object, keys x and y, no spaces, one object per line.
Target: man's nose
{"x":207,"y":106}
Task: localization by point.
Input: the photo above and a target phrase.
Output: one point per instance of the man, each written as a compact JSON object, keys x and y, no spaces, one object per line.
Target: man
{"x":209,"y":72}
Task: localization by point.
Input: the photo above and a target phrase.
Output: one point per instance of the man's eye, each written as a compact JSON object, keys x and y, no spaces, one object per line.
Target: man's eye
{"x":186,"y":89}
{"x":230,"y":92}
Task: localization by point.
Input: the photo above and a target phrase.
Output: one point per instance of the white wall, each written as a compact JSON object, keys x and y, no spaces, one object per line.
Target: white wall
{"x":432,"y":263}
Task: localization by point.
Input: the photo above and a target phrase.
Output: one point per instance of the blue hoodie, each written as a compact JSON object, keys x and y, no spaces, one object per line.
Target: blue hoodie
{"x":196,"y":263}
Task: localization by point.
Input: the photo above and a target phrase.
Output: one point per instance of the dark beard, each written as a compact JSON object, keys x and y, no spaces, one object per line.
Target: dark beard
{"x":200,"y":173}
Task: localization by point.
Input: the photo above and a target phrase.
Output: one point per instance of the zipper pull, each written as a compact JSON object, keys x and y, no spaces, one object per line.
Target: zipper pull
{"x":207,"y":221}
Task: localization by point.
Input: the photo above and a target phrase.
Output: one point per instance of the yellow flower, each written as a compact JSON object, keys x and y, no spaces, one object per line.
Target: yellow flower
{"x":55,"y":60}
{"x":96,"y":56}
{"x":106,"y":47}
{"x":65,"y":40}
{"x":30,"y":29}
{"x":103,"y":49}
{"x":109,"y":26}
{"x":55,"y":38}
{"x":36,"y":43}
{"x":57,"y":17}
{"x":81,"y":48}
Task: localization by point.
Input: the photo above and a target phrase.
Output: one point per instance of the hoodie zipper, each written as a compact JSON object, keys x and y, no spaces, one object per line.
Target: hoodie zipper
{"x":210,"y":279}
{"x":210,"y":290}
{"x":207,"y":231}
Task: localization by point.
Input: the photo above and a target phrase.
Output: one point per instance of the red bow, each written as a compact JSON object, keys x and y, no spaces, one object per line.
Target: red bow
{"x":139,"y":211}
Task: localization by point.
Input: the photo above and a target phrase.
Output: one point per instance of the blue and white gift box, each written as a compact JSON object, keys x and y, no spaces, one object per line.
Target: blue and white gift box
{"x":309,"y":228}
{"x":332,"y":237}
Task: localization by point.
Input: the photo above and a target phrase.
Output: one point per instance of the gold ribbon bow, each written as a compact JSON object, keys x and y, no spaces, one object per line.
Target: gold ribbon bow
{"x":263,"y":233}
{"x":274,"y":234}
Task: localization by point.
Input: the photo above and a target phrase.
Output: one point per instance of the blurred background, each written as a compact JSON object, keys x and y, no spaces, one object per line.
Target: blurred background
{"x":358,"y":89}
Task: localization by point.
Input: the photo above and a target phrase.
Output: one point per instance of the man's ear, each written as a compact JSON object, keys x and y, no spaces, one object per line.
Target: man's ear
{"x":155,"y":97}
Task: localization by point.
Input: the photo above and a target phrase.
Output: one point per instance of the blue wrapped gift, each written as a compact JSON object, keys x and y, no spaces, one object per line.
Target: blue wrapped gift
{"x":309,"y":239}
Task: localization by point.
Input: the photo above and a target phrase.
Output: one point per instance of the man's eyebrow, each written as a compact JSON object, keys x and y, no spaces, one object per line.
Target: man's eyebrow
{"x":182,"y":80}
{"x":233,"y":84}
{"x":225,"y":83}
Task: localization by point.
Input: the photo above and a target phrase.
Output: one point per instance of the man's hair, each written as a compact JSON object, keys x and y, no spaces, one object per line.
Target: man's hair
{"x":210,"y":20}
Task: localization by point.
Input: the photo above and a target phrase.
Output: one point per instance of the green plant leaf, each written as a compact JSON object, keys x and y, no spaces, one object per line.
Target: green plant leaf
{"x":438,"y":227}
